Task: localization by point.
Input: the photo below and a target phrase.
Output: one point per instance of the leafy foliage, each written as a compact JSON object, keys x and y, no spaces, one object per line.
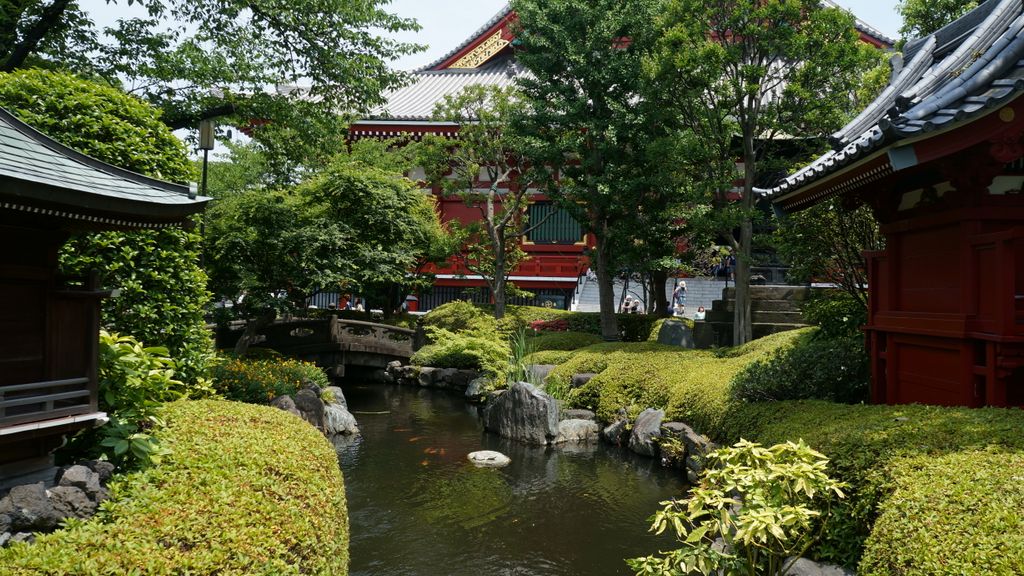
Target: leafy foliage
{"x":245,"y":490}
{"x":259,"y":381}
{"x":594,"y":119}
{"x":833,"y":369}
{"x":163,"y":289}
{"x":563,"y":341}
{"x":922,"y":17}
{"x":758,"y":70}
{"x":236,"y":59}
{"x":134,"y":382}
{"x":765,"y":503}
{"x":459,"y":316}
{"x":826,"y":243}
{"x":485,"y":145}
{"x":470,"y":350}
{"x":981,"y":531}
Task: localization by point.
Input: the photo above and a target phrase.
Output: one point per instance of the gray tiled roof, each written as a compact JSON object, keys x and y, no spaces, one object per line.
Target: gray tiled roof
{"x":951,"y":76}
{"x":36,"y":168}
{"x":417,"y":100}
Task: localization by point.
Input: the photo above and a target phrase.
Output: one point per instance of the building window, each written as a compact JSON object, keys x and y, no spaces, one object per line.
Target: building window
{"x":550,"y":224}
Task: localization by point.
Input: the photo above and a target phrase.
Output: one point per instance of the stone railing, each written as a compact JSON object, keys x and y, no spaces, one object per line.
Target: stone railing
{"x":371,"y":337}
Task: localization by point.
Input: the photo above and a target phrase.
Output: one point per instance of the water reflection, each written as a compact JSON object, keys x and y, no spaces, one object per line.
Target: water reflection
{"x":418,"y":507}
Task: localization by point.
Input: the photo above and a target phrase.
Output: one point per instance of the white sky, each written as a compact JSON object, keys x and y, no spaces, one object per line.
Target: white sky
{"x":446,"y":23}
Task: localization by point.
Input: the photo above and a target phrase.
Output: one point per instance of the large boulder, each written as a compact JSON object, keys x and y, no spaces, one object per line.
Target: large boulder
{"x":81,"y":477}
{"x":285,"y":403}
{"x":339,"y":396}
{"x":577,"y":430}
{"x":29,"y":508}
{"x":675,"y":333}
{"x":71,"y":502}
{"x":310,"y":407}
{"x":523,"y":413}
{"x":462,"y":378}
{"x":539,"y":372}
{"x":578,"y":414}
{"x":427,"y":376}
{"x":578,"y":380}
{"x":338,"y":420}
{"x":477,"y":390}
{"x":805,"y":567}
{"x":646,"y":429}
{"x":616,"y":433}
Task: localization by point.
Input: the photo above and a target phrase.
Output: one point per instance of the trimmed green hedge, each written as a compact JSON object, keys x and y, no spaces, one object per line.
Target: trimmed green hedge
{"x":972,"y":525}
{"x":691,"y":385}
{"x":458,"y":315}
{"x":562,"y":341}
{"x":913,"y":469}
{"x":259,"y":381}
{"x":247,"y":490}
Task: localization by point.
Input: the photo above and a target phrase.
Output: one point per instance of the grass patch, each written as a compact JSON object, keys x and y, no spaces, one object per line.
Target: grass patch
{"x":247,"y":490}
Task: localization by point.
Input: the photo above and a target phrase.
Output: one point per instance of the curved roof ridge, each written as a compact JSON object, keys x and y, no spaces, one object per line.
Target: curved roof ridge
{"x":983,"y":35}
{"x":904,"y":79}
{"x":1004,"y":53}
{"x":502,"y":13}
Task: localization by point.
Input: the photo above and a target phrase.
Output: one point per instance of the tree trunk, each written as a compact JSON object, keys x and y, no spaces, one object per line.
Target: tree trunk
{"x":659,"y":304}
{"x":606,"y":287}
{"x":499,"y":278}
{"x":51,"y":17}
{"x":252,"y":328}
{"x":742,"y":331}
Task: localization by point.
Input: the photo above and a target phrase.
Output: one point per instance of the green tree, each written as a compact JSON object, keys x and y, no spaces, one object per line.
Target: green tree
{"x":236,"y":58}
{"x":163,"y":289}
{"x":922,"y":17}
{"x":485,"y":145}
{"x":353,"y":227}
{"x":592,"y":117}
{"x":756,"y":70}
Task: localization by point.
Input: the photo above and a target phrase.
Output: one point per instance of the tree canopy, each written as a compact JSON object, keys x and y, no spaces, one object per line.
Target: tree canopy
{"x":242,"y":59}
{"x":163,"y":290}
{"x":592,"y":116}
{"x":757,"y":71}
{"x":922,"y":17}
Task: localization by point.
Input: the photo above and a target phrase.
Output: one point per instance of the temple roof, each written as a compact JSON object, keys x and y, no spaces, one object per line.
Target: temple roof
{"x":417,"y":100}
{"x":442,"y":77}
{"x":946,"y":79}
{"x":863,"y":27}
{"x":41,"y":176}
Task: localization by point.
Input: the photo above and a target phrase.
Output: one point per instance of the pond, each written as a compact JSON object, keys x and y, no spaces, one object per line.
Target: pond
{"x":417,"y":507}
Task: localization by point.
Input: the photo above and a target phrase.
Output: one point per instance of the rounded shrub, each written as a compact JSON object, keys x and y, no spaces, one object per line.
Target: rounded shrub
{"x":834,"y":369}
{"x":450,"y":350}
{"x":563,"y":341}
{"x":459,"y":316}
{"x":245,"y":490}
{"x":261,"y":380}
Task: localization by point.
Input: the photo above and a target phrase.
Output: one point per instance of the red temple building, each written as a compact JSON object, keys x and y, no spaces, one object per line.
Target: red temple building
{"x":556,"y":247}
{"x":939,"y":157}
{"x":49,"y":324}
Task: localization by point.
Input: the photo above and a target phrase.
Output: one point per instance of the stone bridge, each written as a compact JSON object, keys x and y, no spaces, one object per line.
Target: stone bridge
{"x":331,"y":343}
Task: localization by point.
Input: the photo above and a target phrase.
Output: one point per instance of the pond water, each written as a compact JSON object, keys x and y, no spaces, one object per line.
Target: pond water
{"x":417,"y":507}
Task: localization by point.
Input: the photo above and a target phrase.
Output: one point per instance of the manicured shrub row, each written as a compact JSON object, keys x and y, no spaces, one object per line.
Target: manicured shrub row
{"x":489,"y":354}
{"x":260,"y":380}
{"x":459,"y":316}
{"x":895,"y":459}
{"x":246,"y":490}
{"x":972,"y":525}
{"x":691,"y":385}
{"x":562,"y":341}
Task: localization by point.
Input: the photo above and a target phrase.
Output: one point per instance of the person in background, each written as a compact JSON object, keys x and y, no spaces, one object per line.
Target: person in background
{"x":627,"y":305}
{"x":699,"y":314}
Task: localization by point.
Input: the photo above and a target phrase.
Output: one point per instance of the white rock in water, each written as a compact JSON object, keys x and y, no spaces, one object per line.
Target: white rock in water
{"x":489,"y":458}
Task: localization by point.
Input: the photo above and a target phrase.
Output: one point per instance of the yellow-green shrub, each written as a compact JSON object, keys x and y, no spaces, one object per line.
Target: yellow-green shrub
{"x":953,"y":514}
{"x":246,"y":490}
{"x":259,"y":381}
{"x":562,"y":340}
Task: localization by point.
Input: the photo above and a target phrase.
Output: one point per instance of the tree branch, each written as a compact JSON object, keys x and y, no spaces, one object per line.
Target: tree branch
{"x":34,"y":35}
